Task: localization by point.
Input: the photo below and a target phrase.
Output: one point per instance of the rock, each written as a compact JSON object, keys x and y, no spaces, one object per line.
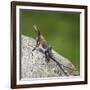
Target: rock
{"x":34,"y":65}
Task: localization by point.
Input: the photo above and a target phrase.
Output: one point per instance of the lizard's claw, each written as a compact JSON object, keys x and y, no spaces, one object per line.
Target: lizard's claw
{"x":33,"y":49}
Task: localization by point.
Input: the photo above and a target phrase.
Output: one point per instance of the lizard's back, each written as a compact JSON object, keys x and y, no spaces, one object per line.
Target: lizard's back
{"x":43,"y":42}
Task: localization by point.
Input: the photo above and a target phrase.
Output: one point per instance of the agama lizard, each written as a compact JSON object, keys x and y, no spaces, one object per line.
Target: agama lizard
{"x":48,"y":50}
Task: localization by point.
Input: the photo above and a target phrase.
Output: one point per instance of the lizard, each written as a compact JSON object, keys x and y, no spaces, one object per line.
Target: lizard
{"x":48,"y":50}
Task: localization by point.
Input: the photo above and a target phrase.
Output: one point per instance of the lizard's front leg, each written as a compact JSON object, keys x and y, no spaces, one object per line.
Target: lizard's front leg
{"x":37,"y":45}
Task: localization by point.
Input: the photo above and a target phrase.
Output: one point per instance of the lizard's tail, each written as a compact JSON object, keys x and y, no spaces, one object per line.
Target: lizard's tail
{"x":60,"y":66}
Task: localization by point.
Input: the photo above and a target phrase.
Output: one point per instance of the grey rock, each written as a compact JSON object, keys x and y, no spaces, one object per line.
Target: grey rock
{"x":34,"y":65}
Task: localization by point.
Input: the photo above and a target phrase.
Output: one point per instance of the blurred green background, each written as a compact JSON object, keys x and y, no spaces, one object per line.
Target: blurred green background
{"x":60,"y":29}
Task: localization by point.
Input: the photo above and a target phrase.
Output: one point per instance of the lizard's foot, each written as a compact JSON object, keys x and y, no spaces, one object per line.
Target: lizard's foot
{"x":47,"y":59}
{"x":33,"y":49}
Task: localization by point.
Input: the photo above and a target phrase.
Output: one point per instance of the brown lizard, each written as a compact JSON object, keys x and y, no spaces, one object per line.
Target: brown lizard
{"x":40,"y":39}
{"x":48,"y":50}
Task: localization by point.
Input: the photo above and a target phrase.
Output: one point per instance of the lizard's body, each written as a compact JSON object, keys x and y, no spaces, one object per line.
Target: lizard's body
{"x":42,"y":41}
{"x":48,"y":50}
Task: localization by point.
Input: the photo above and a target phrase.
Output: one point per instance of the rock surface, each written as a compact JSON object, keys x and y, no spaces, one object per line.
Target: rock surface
{"x":34,"y":65}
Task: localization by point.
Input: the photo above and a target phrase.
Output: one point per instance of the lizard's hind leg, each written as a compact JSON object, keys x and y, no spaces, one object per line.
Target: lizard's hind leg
{"x":47,"y":56}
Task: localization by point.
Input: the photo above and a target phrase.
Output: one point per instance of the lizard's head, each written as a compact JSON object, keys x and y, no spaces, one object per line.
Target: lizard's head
{"x":35,"y":28}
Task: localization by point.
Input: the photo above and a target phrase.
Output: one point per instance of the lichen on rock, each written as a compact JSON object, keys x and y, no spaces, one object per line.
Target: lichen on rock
{"x":34,"y":65}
